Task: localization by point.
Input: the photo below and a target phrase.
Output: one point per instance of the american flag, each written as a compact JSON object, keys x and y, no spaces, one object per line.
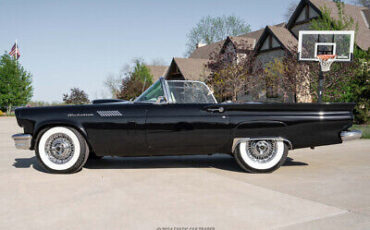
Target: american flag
{"x":15,"y":51}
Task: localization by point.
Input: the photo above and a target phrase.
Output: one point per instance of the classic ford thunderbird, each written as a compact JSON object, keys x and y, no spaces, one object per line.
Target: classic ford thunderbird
{"x":179,"y":118}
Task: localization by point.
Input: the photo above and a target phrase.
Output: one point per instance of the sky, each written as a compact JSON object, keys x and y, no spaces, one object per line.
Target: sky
{"x":78,"y":43}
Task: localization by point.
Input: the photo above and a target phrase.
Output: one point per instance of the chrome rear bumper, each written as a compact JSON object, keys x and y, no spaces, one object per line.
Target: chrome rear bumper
{"x":22,"y":141}
{"x":350,"y":135}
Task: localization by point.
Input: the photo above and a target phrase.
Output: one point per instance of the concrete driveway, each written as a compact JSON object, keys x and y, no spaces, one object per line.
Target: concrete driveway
{"x":328,"y":188}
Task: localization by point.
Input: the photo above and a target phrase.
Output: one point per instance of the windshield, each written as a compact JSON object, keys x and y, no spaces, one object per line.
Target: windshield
{"x":152,"y":93}
{"x":177,"y":91}
{"x":190,"y":92}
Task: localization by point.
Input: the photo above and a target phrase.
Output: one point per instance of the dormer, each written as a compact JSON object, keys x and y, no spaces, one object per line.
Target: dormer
{"x":303,"y":14}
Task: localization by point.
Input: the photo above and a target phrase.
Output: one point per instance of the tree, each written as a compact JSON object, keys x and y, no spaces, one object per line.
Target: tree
{"x":287,"y":77}
{"x":136,"y":81}
{"x":232,"y":75}
{"x":130,"y":73}
{"x":212,"y":29}
{"x":326,"y":22}
{"x":142,"y":73}
{"x":76,"y":97}
{"x":43,"y":103}
{"x":113,"y":84}
{"x":15,"y":83}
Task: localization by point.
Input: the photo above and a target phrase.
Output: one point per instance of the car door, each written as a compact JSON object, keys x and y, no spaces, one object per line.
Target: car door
{"x":187,"y":129}
{"x":118,"y":129}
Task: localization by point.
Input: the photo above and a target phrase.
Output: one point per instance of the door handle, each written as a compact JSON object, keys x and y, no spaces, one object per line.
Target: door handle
{"x":219,"y":109}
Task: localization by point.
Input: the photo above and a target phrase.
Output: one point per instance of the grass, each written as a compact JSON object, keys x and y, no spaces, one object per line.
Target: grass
{"x":365,"y":130}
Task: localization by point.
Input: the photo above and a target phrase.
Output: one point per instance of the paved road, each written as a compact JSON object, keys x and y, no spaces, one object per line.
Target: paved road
{"x":328,"y":188}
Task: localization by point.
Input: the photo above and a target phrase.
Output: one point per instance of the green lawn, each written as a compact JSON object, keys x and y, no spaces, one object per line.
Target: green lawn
{"x":365,"y":130}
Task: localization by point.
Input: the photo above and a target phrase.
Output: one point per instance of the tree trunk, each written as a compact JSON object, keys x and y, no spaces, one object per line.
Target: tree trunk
{"x":9,"y":109}
{"x":235,"y":91}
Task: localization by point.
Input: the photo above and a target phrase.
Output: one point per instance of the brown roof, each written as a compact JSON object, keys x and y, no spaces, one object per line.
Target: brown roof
{"x":254,"y":34}
{"x":257,"y":34}
{"x":357,"y":13}
{"x":157,"y":71}
{"x":243,"y":43}
{"x":206,"y":51}
{"x":282,"y":34}
{"x":192,"y":68}
{"x":285,"y":37}
{"x":367,"y":15}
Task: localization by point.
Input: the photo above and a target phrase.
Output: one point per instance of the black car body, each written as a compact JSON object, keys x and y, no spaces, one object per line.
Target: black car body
{"x":159,"y":126}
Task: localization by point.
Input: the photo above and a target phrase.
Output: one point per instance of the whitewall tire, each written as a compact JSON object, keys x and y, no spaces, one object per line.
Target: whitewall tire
{"x":259,"y":156}
{"x":61,"y":150}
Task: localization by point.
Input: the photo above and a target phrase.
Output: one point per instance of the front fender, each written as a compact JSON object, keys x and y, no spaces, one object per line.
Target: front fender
{"x":51,"y":123}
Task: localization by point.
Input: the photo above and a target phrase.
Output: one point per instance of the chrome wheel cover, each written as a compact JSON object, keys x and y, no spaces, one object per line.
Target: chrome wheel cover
{"x":261,"y":151}
{"x":59,"y":148}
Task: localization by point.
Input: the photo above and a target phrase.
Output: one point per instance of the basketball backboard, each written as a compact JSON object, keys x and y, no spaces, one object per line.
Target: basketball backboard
{"x":312,"y":43}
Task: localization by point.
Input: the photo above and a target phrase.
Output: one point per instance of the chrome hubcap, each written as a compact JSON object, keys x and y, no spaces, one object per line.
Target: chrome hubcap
{"x":59,"y":148}
{"x":261,"y":151}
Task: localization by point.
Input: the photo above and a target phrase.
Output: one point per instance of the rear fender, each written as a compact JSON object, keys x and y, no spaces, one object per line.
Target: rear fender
{"x":244,"y":127}
{"x":240,"y":132}
{"x":237,"y":141}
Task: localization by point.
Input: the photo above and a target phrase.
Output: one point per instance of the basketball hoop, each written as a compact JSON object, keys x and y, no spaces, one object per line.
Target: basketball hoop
{"x":326,"y":47}
{"x":325,"y":61}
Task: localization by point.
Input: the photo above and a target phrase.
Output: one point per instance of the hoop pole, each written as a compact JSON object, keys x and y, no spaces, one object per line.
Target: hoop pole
{"x":321,"y":83}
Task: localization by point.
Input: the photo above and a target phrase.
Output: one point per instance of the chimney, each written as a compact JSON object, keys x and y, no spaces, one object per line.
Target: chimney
{"x":200,"y":44}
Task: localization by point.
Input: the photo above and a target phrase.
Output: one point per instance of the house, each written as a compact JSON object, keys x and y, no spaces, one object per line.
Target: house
{"x":234,"y":44}
{"x":195,"y":67}
{"x":187,"y":69}
{"x":274,"y":41}
{"x":157,"y":71}
{"x":282,"y":37}
{"x":205,"y":51}
{"x":307,"y":10}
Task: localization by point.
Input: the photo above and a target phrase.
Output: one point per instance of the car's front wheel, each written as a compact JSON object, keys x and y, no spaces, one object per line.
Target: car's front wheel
{"x":259,"y":156}
{"x":61,"y":150}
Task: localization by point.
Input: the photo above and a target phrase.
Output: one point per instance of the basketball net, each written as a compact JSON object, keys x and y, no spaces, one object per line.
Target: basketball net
{"x":325,"y":61}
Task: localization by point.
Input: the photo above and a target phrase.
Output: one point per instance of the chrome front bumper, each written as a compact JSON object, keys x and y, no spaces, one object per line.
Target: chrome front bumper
{"x":22,"y":141}
{"x":350,"y":135}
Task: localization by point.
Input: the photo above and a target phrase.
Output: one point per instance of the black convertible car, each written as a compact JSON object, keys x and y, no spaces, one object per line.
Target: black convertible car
{"x":179,"y":118}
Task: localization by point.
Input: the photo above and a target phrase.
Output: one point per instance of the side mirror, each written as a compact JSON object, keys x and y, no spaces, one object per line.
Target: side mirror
{"x":161,"y":100}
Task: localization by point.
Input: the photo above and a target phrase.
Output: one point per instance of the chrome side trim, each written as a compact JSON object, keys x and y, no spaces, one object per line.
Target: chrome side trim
{"x":350,"y":135}
{"x":237,"y":141}
{"x":22,"y":141}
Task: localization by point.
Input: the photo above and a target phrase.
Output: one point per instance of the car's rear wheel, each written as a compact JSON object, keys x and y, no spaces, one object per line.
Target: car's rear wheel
{"x":61,"y":150}
{"x":260,"y":156}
